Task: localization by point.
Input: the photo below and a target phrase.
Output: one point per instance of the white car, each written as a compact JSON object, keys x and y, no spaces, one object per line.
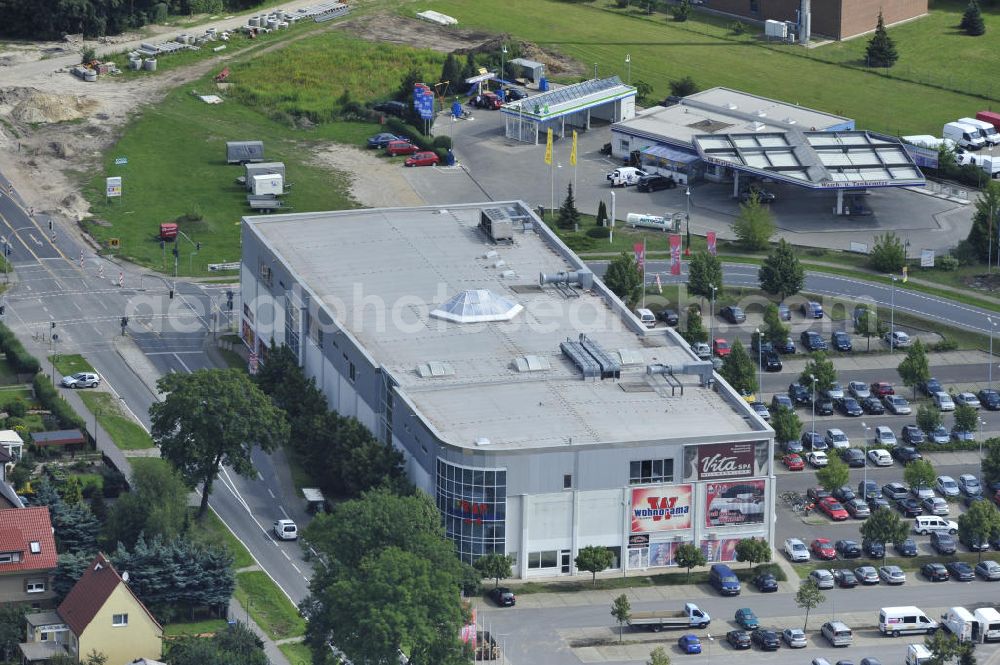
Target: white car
{"x":880,"y":457}
{"x":823,"y":578}
{"x":285,"y":530}
{"x":859,"y":390}
{"x":943,"y":401}
{"x":897,"y":339}
{"x":796,"y":550}
{"x":884,"y":436}
{"x":969,"y":485}
{"x":818,"y":458}
{"x":968,"y":399}
{"x":947,"y":486}
{"x":702,"y":350}
{"x":82,"y":380}
{"x":835,"y":438}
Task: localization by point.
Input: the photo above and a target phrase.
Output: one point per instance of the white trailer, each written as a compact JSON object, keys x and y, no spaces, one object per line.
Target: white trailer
{"x":267,"y":183}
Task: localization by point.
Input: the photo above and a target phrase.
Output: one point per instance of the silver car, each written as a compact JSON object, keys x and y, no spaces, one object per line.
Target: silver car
{"x":969,"y":485}
{"x":935,"y":505}
{"x":823,"y":578}
{"x":866,"y":574}
{"x":81,"y":380}
{"x":947,"y":486}
{"x":794,"y":637}
{"x":892,"y":574}
{"x":859,"y":389}
{"x":836,"y":391}
{"x":988,"y":570}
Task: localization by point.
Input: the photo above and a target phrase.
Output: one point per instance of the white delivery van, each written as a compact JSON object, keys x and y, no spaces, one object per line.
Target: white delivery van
{"x":917,"y":654}
{"x":646,"y":316}
{"x":960,"y":623}
{"x":989,"y":132}
{"x":966,"y":136}
{"x":989,"y":623}
{"x":989,"y":164}
{"x":927,"y":523}
{"x":625,"y":176}
{"x":907,"y":620}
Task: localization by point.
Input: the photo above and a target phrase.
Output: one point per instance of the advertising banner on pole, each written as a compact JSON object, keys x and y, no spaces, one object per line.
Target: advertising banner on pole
{"x":423,"y":101}
{"x":640,"y":256}
{"x":927,"y":258}
{"x":710,"y":237}
{"x":734,"y":503}
{"x":675,"y":255}
{"x":661,"y":508}
{"x":114,"y":187}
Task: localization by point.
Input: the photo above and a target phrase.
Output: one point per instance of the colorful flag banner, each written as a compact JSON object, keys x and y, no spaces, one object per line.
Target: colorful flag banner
{"x":675,"y":255}
{"x":710,"y":237}
{"x":572,"y":152}
{"x":548,"y":147}
{"x":640,"y":256}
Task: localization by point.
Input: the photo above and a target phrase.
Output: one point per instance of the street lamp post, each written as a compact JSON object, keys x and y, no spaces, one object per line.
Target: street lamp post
{"x":867,"y":429}
{"x":993,"y":326}
{"x":760,"y":362}
{"x":628,"y":66}
{"x":892,"y":314}
{"x":503,"y":57}
{"x":687,"y":243}
{"x":711,"y":316}
{"x":981,"y":423}
{"x":812,"y":377}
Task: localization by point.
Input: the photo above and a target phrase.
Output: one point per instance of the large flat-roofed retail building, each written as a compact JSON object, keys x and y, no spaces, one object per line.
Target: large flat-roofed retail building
{"x":527,"y":400}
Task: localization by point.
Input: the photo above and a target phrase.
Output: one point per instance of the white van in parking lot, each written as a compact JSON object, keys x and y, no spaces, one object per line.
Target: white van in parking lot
{"x":925,"y":524}
{"x":625,"y":176}
{"x":907,"y":620}
{"x":917,"y":654}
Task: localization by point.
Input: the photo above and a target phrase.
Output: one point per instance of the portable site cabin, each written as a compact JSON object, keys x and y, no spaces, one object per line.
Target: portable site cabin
{"x":267,"y":183}
{"x":531,"y":70}
{"x":262,"y":168}
{"x":241,"y":152}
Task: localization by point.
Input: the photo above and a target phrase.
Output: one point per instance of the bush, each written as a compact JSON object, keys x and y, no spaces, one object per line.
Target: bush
{"x":737,"y":27}
{"x":17,"y":408}
{"x":55,"y":404}
{"x":599,"y":232}
{"x":946,"y":344}
{"x":947,"y":263}
{"x":442,"y":142}
{"x":19,"y":359}
{"x":160,"y":13}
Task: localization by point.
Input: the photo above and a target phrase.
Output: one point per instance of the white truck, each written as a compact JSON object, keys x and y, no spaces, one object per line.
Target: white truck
{"x":989,"y":132}
{"x":689,"y":617}
{"x":989,"y":623}
{"x":625,"y":176}
{"x":966,"y":136}
{"x":961,"y":623}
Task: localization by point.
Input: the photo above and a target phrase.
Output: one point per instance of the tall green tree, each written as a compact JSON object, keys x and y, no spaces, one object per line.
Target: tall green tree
{"x":11,"y":630}
{"x":919,"y":473}
{"x":928,"y":418}
{"x":944,"y":647}
{"x":821,"y":367}
{"x":775,"y":331}
{"x":594,"y":559}
{"x":808,"y":598}
{"x":754,"y":225}
{"x":212,"y":417}
{"x":888,"y":253}
{"x":569,"y":216}
{"x":621,"y":610}
{"x":866,"y":323}
{"x":914,"y":368}
{"x":991,"y":461}
{"x":835,"y":474}
{"x":624,"y":279}
{"x":470,"y":68}
{"x":753,"y":550}
{"x":451,"y":72}
{"x":602,"y":214}
{"x":881,"y":51}
{"x":884,"y":526}
{"x":966,"y":418}
{"x":695,"y":330}
{"x":786,"y":424}
{"x":980,"y":522}
{"x":658,"y":656}
{"x":972,"y":20}
{"x":704,"y":272}
{"x":781,"y":274}
{"x":495,"y":566}
{"x":156,"y":507}
{"x":688,"y":556}
{"x":739,"y":370}
{"x":982,"y":238}
{"x":391,"y":578}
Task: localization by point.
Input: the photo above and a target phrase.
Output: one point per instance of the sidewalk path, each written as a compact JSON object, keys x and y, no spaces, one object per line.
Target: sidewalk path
{"x":236,"y":612}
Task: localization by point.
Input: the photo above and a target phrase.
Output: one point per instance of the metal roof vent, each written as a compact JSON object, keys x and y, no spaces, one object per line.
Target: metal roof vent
{"x":482,"y":441}
{"x":761,"y":114}
{"x":508,"y":274}
{"x":434,"y":369}
{"x":731,"y":106}
{"x":790,"y":121}
{"x":477,"y":306}
{"x":532,"y":364}
{"x":630,"y":357}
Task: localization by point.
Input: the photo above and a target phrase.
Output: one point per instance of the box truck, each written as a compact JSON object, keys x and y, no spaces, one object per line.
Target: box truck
{"x":966,"y":136}
{"x":989,"y":623}
{"x":989,"y":132}
{"x":991,"y":117}
{"x":960,"y":623}
{"x":689,"y":617}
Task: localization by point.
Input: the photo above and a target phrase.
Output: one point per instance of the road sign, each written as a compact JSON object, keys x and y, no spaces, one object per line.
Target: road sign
{"x":114,"y":187}
{"x":423,"y":101}
{"x":114,"y":243}
{"x":121,"y":161}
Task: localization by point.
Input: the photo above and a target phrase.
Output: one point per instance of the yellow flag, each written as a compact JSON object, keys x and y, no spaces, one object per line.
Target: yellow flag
{"x":572,"y":153}
{"x":548,"y":148}
{"x":906,"y":273}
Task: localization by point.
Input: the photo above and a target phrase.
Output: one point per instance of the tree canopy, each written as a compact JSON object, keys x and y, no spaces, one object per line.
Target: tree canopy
{"x":991,"y":461}
{"x":914,"y":368}
{"x":808,"y":598}
{"x":739,"y":370}
{"x":156,"y":507}
{"x":594,"y":559}
{"x":624,"y":279}
{"x":210,"y":418}
{"x":775,"y":330}
{"x":980,"y":522}
{"x":881,"y":50}
{"x":888,"y":253}
{"x":822,"y":368}
{"x":919,"y":473}
{"x":754,"y":224}
{"x":781,"y":274}
{"x":569,"y":216}
{"x":495,"y":566}
{"x":984,"y":222}
{"x":704,"y":272}
{"x":884,"y":526}
{"x":972,"y":20}
{"x":835,"y":474}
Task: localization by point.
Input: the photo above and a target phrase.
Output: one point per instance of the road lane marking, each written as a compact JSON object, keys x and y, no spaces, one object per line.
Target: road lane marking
{"x":270,"y":493}
{"x":186,"y":368}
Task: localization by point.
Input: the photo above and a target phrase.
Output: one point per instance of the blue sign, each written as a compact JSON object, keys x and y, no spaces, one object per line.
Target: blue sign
{"x":423,"y":102}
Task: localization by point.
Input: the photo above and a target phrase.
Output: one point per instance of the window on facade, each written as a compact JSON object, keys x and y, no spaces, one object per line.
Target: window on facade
{"x":7,"y":557}
{"x":352,"y":372}
{"x":547,"y":559}
{"x":36,"y":547}
{"x":35,"y":586}
{"x":567,"y":481}
{"x":119,"y":619}
{"x":292,"y":327}
{"x":473,"y":503}
{"x":265,"y":273}
{"x":623,"y":145}
{"x":651,"y":471}
{"x":754,"y":6}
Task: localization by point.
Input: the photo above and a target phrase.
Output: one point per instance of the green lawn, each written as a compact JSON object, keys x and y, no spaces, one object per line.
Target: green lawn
{"x":123,"y":430}
{"x":71,"y":364}
{"x":268,"y":606}
{"x":8,"y":395}
{"x":297,"y":653}
{"x":210,"y":529}
{"x":194,"y":627}
{"x":702,"y":48}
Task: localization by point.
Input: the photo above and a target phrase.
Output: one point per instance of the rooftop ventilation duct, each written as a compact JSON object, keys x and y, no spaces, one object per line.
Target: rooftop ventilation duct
{"x":497,"y":225}
{"x":582,"y":278}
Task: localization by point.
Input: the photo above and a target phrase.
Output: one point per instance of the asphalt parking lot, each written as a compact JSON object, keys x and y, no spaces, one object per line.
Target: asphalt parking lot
{"x":496,"y":168}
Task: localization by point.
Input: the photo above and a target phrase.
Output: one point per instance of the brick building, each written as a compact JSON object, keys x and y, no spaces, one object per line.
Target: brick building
{"x":840,"y":19}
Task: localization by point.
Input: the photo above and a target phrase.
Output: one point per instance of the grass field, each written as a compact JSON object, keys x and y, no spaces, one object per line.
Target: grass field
{"x":8,"y":395}
{"x":125,"y":432}
{"x":210,"y":529}
{"x":661,"y":51}
{"x":71,"y":364}
{"x":296,"y":653}
{"x":268,"y":606}
{"x":194,"y":627}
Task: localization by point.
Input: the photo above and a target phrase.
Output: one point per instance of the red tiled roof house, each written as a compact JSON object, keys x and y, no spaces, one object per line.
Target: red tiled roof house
{"x":27,"y":557}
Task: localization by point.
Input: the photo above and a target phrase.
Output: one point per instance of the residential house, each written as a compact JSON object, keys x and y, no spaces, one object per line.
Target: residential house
{"x":100,"y":614}
{"x":27,"y":557}
{"x":11,"y":442}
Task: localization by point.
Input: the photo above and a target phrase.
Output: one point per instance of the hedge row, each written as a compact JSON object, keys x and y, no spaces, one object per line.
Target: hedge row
{"x":49,"y":398}
{"x":19,"y":359}
{"x":437,"y":144}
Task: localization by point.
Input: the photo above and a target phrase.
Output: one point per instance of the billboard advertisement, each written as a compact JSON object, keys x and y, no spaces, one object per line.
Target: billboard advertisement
{"x":720,"y":551}
{"x":734,"y":503}
{"x":716,"y":461}
{"x":661,"y":508}
{"x":663,"y":554}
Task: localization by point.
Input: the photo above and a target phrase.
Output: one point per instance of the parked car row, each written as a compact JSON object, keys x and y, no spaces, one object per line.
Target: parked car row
{"x":395,"y":146}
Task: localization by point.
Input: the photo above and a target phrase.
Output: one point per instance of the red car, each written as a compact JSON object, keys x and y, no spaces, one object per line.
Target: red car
{"x":400,"y":148}
{"x":822,"y":548}
{"x":720,"y":347}
{"x":422,"y":159}
{"x":832,"y":507}
{"x":882,"y":388}
{"x":793,"y":462}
